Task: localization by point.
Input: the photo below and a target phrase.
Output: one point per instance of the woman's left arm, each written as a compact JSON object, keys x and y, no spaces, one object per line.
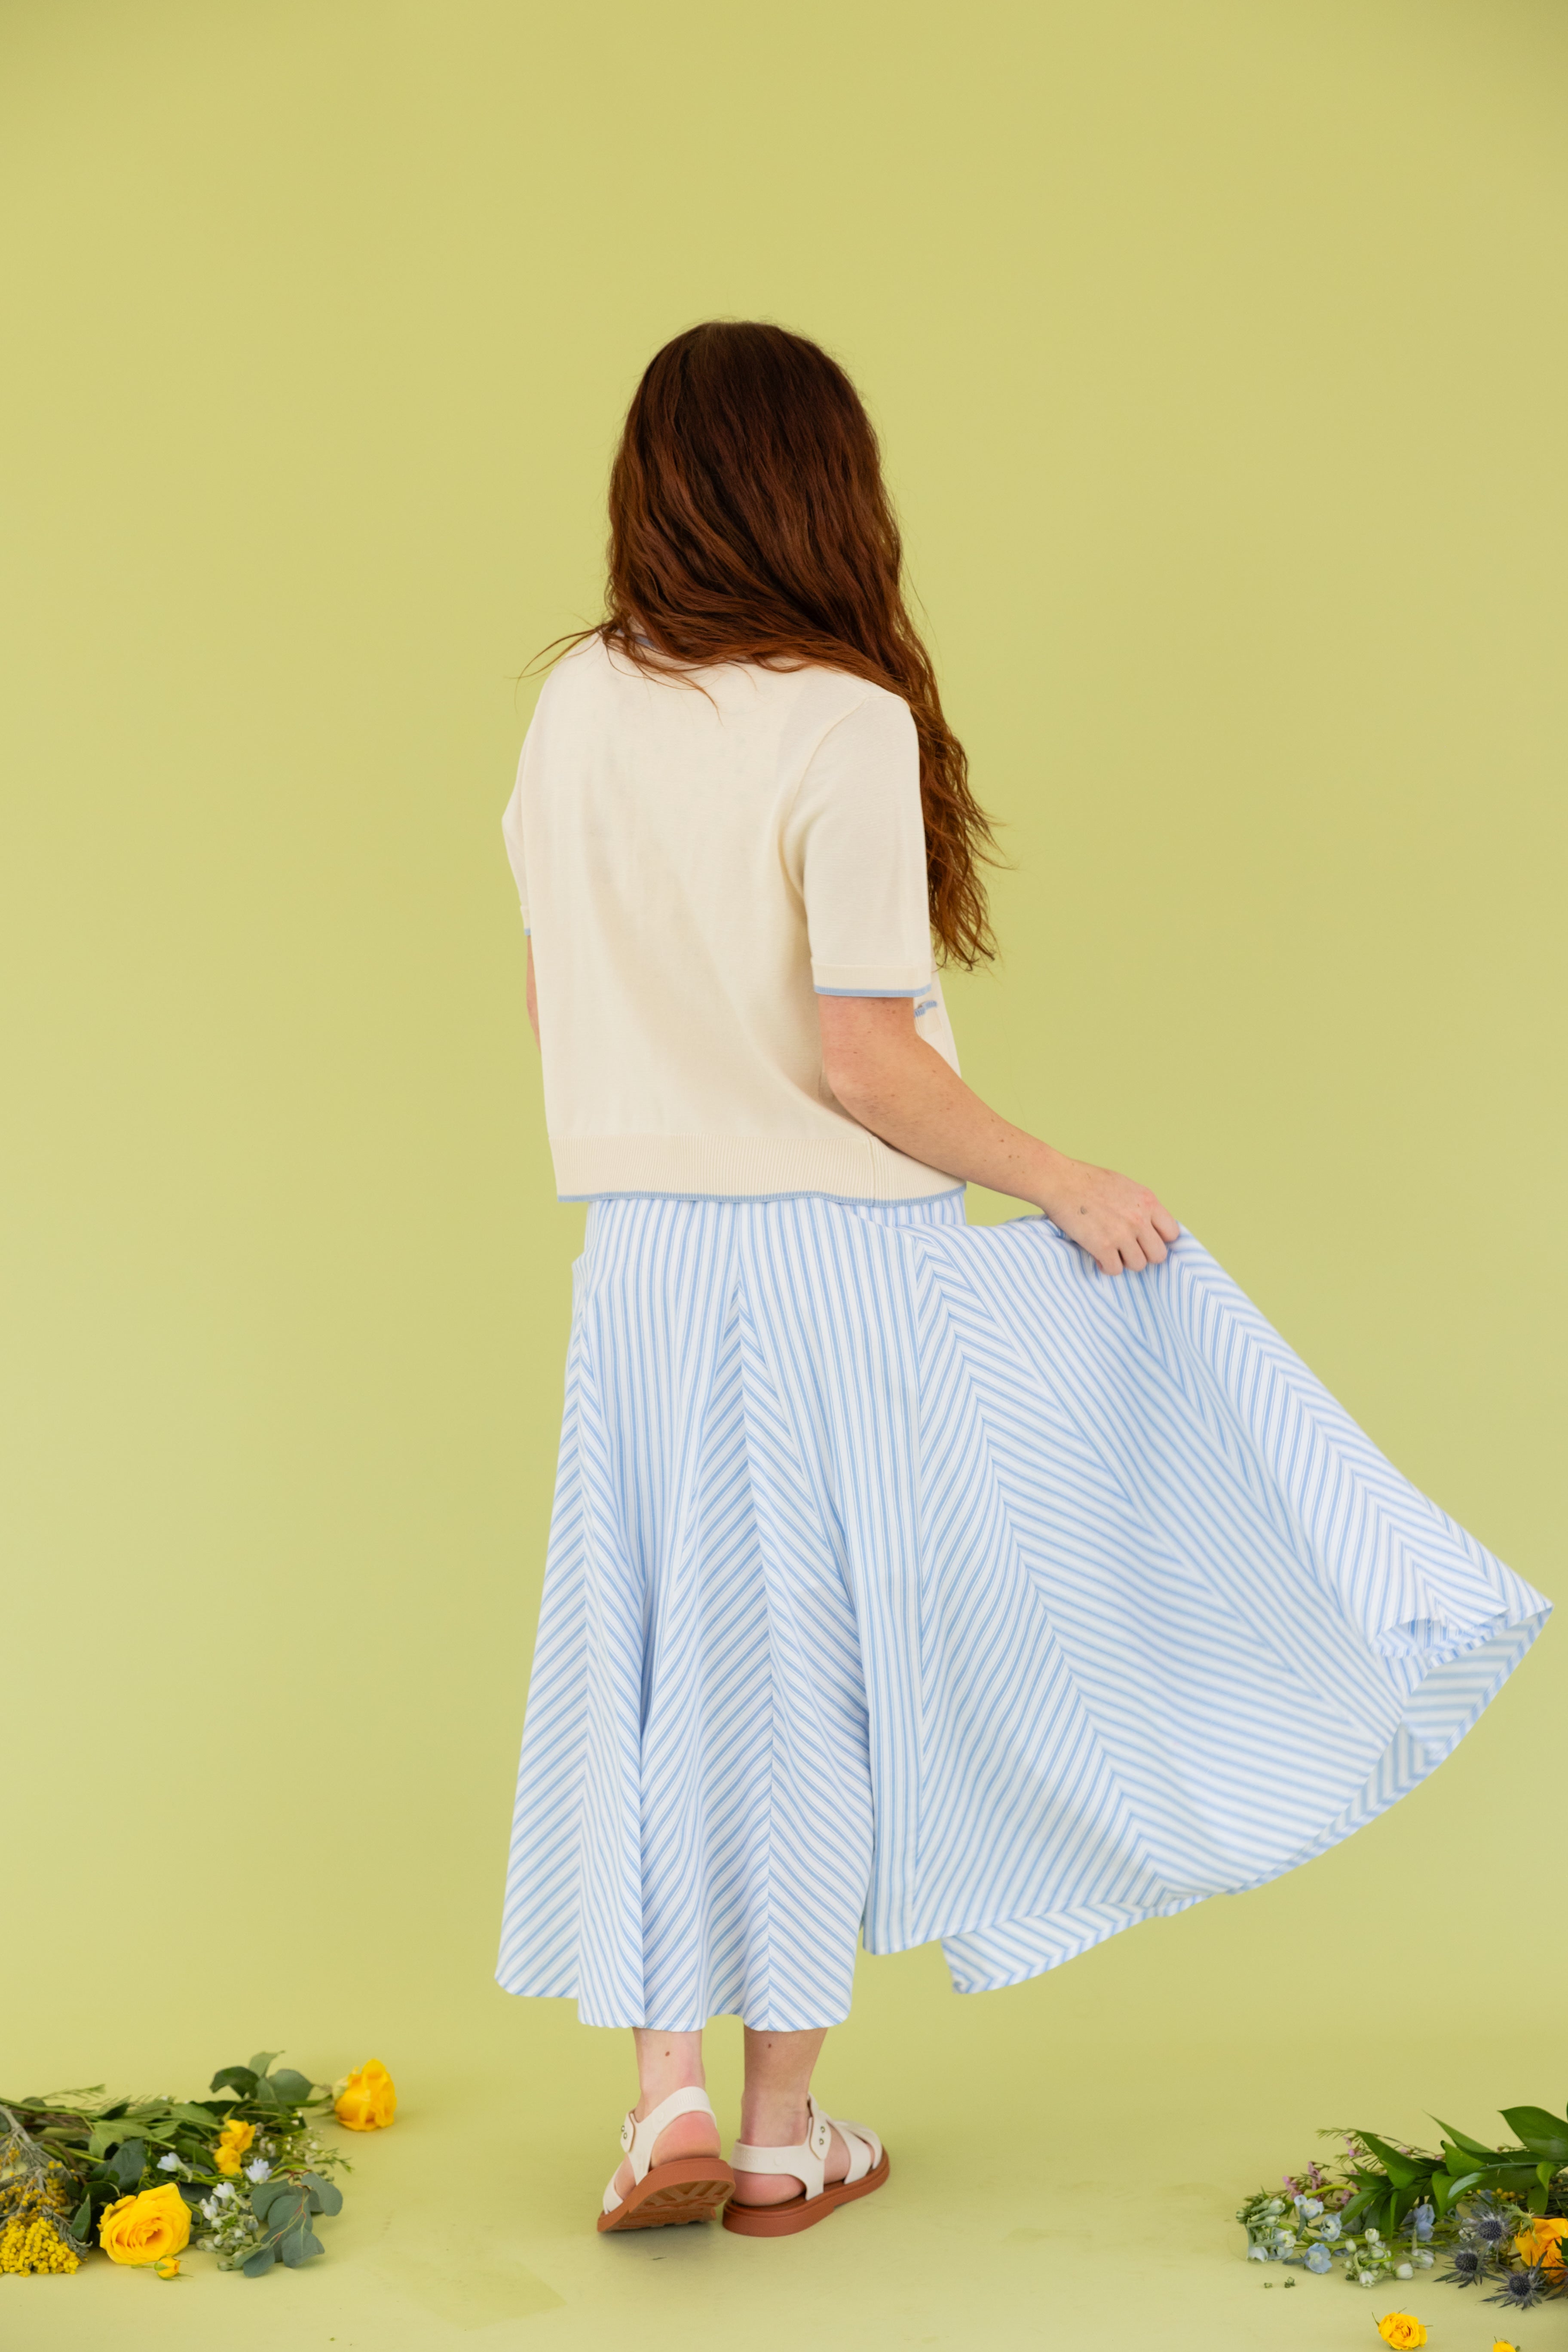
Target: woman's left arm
{"x":889,"y":1078}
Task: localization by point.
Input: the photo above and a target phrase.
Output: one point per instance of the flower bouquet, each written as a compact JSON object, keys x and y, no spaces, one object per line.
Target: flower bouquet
{"x":245,"y":2173}
{"x":1499,"y":2216}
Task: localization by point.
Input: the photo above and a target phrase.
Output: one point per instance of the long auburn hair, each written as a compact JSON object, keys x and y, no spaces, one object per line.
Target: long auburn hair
{"x":749,"y":523}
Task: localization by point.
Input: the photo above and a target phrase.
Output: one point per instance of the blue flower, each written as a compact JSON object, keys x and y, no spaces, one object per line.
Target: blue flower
{"x":1310,"y":2206}
{"x":1329,"y":2228}
{"x":1319,"y":2259}
{"x":1421,"y":2220}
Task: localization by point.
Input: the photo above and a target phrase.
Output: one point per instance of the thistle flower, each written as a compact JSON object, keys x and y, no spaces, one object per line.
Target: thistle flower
{"x":1486,"y":2225}
{"x":1521,"y":2290}
{"x":1470,"y":2264}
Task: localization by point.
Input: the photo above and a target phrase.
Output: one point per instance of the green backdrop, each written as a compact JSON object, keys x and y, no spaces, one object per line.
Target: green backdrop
{"x":1218,"y":350}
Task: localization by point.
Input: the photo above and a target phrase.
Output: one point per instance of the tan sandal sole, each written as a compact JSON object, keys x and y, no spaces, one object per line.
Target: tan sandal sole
{"x":688,"y":2188}
{"x":800,"y":2212}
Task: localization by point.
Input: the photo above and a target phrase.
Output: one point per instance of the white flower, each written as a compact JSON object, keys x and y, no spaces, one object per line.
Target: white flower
{"x":1373,"y":2237}
{"x":223,"y":2191}
{"x":1257,"y":2253}
{"x":259,"y":2171}
{"x":1404,"y":2270}
{"x":1425,"y":2257}
{"x":1366,"y":2278}
{"x":1311,"y":2207}
{"x":170,"y":2163}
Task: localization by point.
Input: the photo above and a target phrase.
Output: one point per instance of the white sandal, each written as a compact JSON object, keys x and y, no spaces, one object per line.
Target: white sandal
{"x":686,"y":2188}
{"x":818,"y":2199}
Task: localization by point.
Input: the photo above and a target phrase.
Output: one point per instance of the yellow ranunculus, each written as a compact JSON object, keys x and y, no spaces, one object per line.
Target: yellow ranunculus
{"x":1540,"y":2240}
{"x":367,"y":2099}
{"x":1401,"y":2329}
{"x":146,"y":2228}
{"x":1500,"y":2347}
{"x":233,"y":2142}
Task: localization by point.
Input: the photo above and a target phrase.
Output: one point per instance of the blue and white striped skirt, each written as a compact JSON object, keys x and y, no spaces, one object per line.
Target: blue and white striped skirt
{"x":910,"y":1580}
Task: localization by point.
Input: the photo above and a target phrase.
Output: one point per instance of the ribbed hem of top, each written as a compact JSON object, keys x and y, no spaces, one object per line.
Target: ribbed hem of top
{"x":852,"y":1167}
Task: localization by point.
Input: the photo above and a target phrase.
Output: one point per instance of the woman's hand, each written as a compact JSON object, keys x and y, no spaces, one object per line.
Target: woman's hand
{"x":1122,"y":1226}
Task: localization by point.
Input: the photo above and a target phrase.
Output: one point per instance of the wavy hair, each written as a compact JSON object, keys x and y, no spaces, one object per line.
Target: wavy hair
{"x":749,"y":523}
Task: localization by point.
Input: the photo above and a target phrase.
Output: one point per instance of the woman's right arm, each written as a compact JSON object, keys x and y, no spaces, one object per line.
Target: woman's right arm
{"x":889,"y":1078}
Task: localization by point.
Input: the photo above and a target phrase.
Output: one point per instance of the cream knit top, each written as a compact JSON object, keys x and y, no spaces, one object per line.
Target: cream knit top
{"x":696,"y":863}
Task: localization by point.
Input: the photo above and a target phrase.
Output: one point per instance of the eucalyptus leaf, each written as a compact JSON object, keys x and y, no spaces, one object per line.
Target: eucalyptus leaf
{"x":265,"y":2196}
{"x":1542,"y":2133}
{"x":261,"y":2262}
{"x":239,"y":2078}
{"x":324,"y":2197}
{"x":299,"y":2244}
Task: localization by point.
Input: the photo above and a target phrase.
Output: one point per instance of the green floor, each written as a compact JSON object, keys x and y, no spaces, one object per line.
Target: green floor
{"x":1054,"y":2184}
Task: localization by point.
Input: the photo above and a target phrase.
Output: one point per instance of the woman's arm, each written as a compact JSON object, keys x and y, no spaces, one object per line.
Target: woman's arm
{"x":892,"y":1082}
{"x":533,"y":996}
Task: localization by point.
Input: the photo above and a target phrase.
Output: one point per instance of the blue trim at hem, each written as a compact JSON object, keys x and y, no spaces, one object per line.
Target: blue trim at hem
{"x":849,"y":1199}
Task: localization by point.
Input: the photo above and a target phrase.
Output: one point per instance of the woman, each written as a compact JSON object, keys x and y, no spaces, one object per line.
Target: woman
{"x":1007,"y":1586}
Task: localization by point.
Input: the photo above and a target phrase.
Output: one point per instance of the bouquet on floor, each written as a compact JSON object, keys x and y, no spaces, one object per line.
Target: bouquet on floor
{"x":242,"y":2176}
{"x":1496,"y":2216}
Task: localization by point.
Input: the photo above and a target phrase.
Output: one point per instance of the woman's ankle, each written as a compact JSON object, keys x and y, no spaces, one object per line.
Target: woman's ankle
{"x":667,"y":2063}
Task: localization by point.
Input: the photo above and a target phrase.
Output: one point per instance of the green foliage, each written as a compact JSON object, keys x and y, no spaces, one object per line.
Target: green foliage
{"x":105,"y":2149}
{"x":285,"y":2210}
{"x":1382,"y":2211}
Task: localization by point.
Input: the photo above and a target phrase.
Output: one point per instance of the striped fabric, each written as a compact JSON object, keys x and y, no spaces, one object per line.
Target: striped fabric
{"x":910,"y":1579}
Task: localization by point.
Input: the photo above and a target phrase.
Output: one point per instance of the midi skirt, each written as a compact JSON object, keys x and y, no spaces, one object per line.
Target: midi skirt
{"x":911,"y":1579}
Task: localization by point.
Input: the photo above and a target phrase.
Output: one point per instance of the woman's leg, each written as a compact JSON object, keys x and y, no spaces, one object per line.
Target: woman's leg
{"x":772,"y":2111}
{"x":666,"y":2063}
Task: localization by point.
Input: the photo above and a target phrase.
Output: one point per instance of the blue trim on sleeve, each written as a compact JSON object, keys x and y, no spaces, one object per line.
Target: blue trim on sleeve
{"x":874,"y":992}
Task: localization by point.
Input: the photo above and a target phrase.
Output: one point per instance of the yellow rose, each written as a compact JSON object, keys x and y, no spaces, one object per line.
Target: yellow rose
{"x":1400,"y":2329}
{"x":146,"y":2228}
{"x":367,"y":2099}
{"x":1541,"y":2241}
{"x":1500,"y":2347}
{"x":169,"y":2267}
{"x":233,"y":2142}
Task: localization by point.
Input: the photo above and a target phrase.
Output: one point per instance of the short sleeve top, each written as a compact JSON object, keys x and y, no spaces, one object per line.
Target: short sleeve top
{"x":698,"y":858}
